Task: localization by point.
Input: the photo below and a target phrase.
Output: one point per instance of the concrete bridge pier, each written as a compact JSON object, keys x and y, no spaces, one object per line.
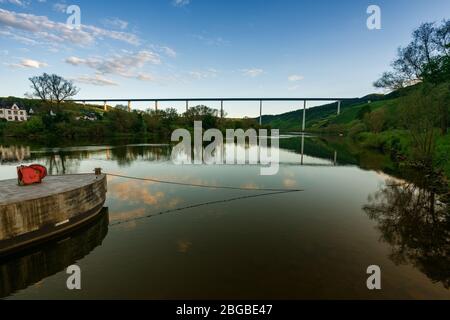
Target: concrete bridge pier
{"x":303,"y":148}
{"x":304,"y":116}
{"x":260,"y":112}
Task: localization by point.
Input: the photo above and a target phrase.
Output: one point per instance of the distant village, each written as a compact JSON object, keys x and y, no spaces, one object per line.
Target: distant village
{"x":18,"y":113}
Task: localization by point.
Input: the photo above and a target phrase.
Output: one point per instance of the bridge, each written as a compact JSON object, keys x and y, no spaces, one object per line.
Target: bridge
{"x":222,"y":100}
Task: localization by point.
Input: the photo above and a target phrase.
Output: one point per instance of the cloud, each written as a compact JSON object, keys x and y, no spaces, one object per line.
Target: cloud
{"x":204,"y":74}
{"x":125,"y":64}
{"x":211,"y":41}
{"x":97,"y":80}
{"x":180,"y":3}
{"x":60,"y":7}
{"x":21,"y":39}
{"x":145,"y":77}
{"x":16,"y":2}
{"x":28,"y":63}
{"x":169,"y":52}
{"x":42,"y":28}
{"x":115,"y":23}
{"x":253,"y":73}
{"x":295,"y":77}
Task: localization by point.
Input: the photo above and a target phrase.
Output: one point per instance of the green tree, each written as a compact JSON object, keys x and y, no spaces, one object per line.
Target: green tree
{"x":421,"y":59}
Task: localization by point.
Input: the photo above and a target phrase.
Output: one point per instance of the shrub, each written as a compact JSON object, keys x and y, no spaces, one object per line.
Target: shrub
{"x":376,"y":120}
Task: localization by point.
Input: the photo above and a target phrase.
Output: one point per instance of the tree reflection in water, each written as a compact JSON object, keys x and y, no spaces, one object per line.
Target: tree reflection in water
{"x":416,"y":225}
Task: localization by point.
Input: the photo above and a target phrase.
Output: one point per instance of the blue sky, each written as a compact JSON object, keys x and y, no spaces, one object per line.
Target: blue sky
{"x":207,"y":48}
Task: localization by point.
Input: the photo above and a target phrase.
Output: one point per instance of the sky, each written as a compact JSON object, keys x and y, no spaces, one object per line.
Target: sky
{"x":207,"y":48}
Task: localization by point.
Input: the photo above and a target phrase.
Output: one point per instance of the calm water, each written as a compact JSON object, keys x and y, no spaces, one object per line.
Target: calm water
{"x":157,"y":241}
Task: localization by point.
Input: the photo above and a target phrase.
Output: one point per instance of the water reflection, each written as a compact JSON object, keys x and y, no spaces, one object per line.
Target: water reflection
{"x":416,"y":226}
{"x":296,"y":150}
{"x":27,"y":268}
{"x":14,"y":153}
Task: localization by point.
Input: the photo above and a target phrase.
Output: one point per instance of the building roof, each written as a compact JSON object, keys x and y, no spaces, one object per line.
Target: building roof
{"x":6,"y":105}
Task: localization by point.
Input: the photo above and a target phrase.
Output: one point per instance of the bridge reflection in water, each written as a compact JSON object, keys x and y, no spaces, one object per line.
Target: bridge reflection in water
{"x":18,"y":272}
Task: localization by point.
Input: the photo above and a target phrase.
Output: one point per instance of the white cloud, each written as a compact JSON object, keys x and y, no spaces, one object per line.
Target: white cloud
{"x":115,"y":23}
{"x":42,"y":28}
{"x":60,"y":7}
{"x":125,"y":64}
{"x":75,"y":61}
{"x":253,"y":73}
{"x":18,"y":38}
{"x":169,"y":52}
{"x":145,"y":77}
{"x":204,"y":74}
{"x":97,"y":80}
{"x":180,"y":3}
{"x":16,"y":2}
{"x":295,"y":77}
{"x":28,"y":63}
{"x":211,"y":41}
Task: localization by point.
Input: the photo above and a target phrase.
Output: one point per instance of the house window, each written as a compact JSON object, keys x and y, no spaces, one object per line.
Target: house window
{"x":10,"y":118}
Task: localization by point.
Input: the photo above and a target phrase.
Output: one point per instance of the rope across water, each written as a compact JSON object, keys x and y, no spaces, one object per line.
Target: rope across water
{"x":267,"y":192}
{"x":202,"y":185}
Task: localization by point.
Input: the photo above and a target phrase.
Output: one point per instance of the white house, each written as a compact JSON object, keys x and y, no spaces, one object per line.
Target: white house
{"x":14,"y":114}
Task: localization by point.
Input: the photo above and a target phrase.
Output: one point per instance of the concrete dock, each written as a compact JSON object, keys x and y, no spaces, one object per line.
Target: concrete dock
{"x":30,"y":214}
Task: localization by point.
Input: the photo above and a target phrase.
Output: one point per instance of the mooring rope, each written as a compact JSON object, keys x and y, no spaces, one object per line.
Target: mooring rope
{"x":203,"y":185}
{"x":113,"y":224}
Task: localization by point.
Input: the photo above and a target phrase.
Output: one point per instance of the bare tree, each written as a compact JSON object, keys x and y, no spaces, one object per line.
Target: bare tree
{"x":40,"y":87}
{"x":52,"y":88}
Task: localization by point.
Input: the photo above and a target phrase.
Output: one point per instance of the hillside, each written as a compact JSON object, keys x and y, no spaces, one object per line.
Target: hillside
{"x":325,"y":115}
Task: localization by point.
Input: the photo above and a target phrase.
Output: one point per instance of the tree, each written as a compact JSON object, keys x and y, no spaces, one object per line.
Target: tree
{"x":52,"y":88}
{"x":420,"y":113}
{"x":121,"y":107}
{"x":420,"y":59}
{"x":203,"y":113}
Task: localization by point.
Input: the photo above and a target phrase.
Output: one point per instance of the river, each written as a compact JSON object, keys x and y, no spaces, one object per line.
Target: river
{"x":162,"y":241}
